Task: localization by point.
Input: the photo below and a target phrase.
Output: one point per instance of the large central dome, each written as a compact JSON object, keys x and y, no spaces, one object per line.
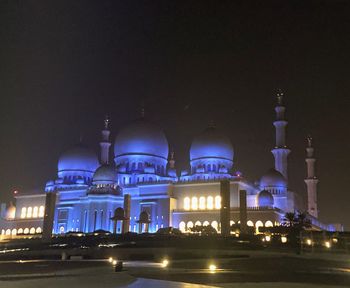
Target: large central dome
{"x":211,"y":151}
{"x":141,"y":138}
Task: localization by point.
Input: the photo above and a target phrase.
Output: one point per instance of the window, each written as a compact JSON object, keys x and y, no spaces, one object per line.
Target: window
{"x":26,"y":230}
{"x":210,"y":202}
{"x":268,"y":224}
{"x":215,"y":225}
{"x":218,"y":202}
{"x":20,"y":231}
{"x":41,"y":211}
{"x":194,"y":203}
{"x":182,"y":226}
{"x":189,"y":225}
{"x":205,"y":223}
{"x":14,"y":232}
{"x":187,"y":203}
{"x":198,"y":223}
{"x":8,"y":232}
{"x":32,"y":230}
{"x":38,"y":230}
{"x":202,"y":203}
{"x":250,"y":223}
{"x":23,"y":212}
{"x":29,"y":212}
{"x":232,"y":222}
{"x":35,"y":212}
{"x":62,"y":229}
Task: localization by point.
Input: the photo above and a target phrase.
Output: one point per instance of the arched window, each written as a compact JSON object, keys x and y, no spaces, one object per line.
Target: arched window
{"x":194,"y":203}
{"x":202,"y":203}
{"x":133,"y":165}
{"x":2,"y":232}
{"x":29,"y":212}
{"x":187,"y":204}
{"x":14,"y":232}
{"x":206,"y":223}
{"x":250,"y":223}
{"x":189,"y":225}
{"x":182,"y":226}
{"x":38,"y":230}
{"x":20,"y":231}
{"x":214,"y":167}
{"x":208,"y":168}
{"x":210,"y":202}
{"x":198,"y":223}
{"x":8,"y":232}
{"x":232,"y":222}
{"x":32,"y":230}
{"x":215,"y":225}
{"x":268,"y":224}
{"x":62,"y":229}
{"x":26,"y":230}
{"x":41,"y":211}
{"x":35,"y":212}
{"x":218,"y":202}
{"x":259,"y":224}
{"x":23,"y":212}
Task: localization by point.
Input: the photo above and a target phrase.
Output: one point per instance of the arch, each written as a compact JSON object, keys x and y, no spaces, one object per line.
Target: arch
{"x":268,"y":223}
{"x":189,"y":225}
{"x":14,"y":232}
{"x":23,"y":212}
{"x":202,"y":203}
{"x":119,"y":214}
{"x":182,"y":226}
{"x":194,"y":203}
{"x":250,"y":223}
{"x":32,"y":230}
{"x":206,"y":223}
{"x":217,"y":202}
{"x":210,"y":203}
{"x":144,"y":217}
{"x":8,"y":232}
{"x":62,"y":229}
{"x":215,"y":225}
{"x":2,"y":232}
{"x":29,"y":212}
{"x":20,"y":231}
{"x":198,"y":223}
{"x":232,"y":222}
{"x":187,"y":203}
{"x":38,"y":230}
{"x":26,"y":231}
{"x":35,"y":211}
{"x":259,"y":223}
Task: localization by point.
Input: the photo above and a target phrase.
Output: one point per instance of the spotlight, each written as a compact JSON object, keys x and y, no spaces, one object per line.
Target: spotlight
{"x":110,"y":259}
{"x":212,"y":268}
{"x":327,"y":244}
{"x":308,"y":242}
{"x":165,"y":263}
{"x":114,"y":262}
{"x":284,"y":239}
{"x":268,"y":238}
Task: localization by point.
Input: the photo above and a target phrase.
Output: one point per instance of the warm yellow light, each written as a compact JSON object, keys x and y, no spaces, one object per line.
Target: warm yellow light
{"x":268,"y":238}
{"x":327,"y":244}
{"x":165,"y":263}
{"x":212,"y":268}
{"x":110,"y":259}
{"x":308,"y":242}
{"x":114,"y":262}
{"x":284,"y":239}
{"x":335,"y":240}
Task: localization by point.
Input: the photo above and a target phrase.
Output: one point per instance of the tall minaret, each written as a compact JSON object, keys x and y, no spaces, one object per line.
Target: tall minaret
{"x":280,"y":152}
{"x":105,"y":143}
{"x":311,"y":180}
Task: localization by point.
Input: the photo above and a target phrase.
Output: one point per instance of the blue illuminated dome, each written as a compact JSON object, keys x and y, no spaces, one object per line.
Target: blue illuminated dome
{"x":77,"y":162}
{"x":273,"y":178}
{"x":105,"y":174}
{"x":141,"y":144}
{"x":265,"y":199}
{"x":211,"y":148}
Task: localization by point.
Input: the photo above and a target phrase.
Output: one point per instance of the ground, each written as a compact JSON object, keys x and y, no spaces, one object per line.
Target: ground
{"x":243,"y":270}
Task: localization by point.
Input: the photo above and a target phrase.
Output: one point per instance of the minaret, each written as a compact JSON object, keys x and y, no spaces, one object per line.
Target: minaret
{"x":105,"y":143}
{"x":280,"y":152}
{"x":311,"y":180}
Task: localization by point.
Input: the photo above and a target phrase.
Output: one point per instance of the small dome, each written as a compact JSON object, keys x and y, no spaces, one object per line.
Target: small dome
{"x":78,"y":158}
{"x":211,"y":144}
{"x":105,"y":174}
{"x":265,"y":199}
{"x":141,"y":138}
{"x":273,"y":178}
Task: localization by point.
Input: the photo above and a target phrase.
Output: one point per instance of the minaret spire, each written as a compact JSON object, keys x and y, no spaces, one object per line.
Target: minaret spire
{"x":105,"y":143}
{"x":281,"y":151}
{"x":311,"y":179}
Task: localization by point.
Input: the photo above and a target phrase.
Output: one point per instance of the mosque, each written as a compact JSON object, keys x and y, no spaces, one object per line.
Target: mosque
{"x":141,"y":190}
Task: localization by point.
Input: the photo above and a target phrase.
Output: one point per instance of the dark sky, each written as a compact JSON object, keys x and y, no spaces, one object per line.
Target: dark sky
{"x":65,"y":64}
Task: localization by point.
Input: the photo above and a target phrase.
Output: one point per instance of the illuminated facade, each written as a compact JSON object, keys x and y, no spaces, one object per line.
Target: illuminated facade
{"x":90,"y":190}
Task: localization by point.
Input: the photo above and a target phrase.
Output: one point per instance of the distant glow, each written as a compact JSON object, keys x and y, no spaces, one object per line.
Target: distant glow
{"x":194,"y":203}
{"x":215,"y":225}
{"x":198,"y":223}
{"x":114,"y":262}
{"x":284,"y":239}
{"x":267,"y":238}
{"x":202,"y":203}
{"x":41,"y":211}
{"x":23,"y":212}
{"x":182,"y":226}
{"x":212,"y":268}
{"x":327,"y":244}
{"x":187,"y":203}
{"x":335,"y":240}
{"x":35,"y":212}
{"x":29,"y":212}
{"x":206,"y":223}
{"x":110,"y":259}
{"x":308,"y":242}
{"x":189,"y":225}
{"x":165,"y":263}
{"x":250,"y":223}
{"x":268,"y":224}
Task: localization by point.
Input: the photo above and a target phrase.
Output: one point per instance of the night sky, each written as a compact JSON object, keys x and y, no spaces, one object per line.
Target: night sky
{"x":65,"y":64}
